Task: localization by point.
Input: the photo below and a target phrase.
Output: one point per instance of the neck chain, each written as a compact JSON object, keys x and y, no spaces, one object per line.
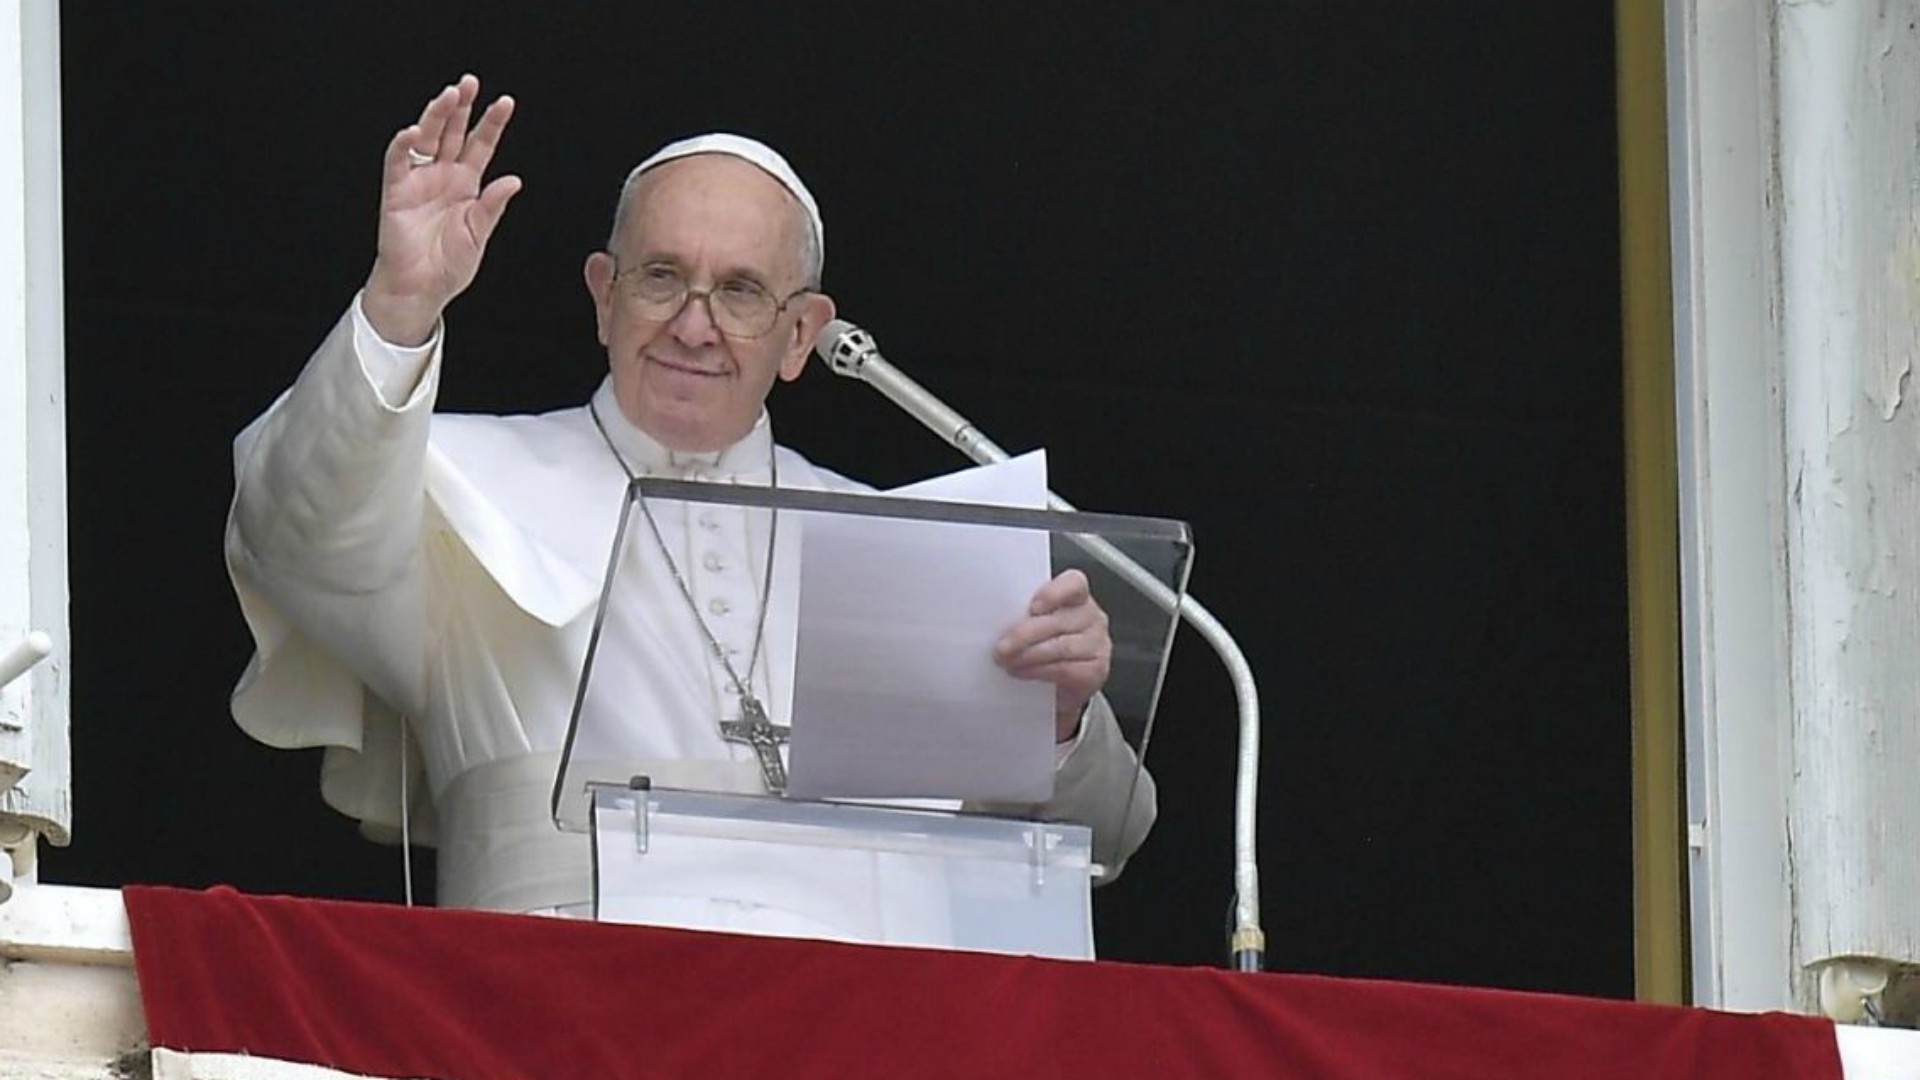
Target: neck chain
{"x":754,"y":729}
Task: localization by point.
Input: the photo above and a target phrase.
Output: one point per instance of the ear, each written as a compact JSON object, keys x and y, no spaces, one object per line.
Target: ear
{"x":816,"y":311}
{"x":599,"y":275}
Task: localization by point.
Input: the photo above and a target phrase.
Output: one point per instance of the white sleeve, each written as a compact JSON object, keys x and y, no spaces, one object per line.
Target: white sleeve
{"x":1100,"y":784}
{"x":394,"y":371}
{"x":324,"y":535}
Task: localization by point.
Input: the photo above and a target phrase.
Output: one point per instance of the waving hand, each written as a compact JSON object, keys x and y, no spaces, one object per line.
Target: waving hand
{"x":435,"y":215}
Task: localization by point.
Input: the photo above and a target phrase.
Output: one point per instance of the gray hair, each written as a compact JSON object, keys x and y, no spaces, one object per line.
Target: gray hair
{"x":811,"y":258}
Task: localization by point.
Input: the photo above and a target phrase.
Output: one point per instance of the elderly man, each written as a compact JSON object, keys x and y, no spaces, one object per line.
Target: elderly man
{"x":423,"y":586}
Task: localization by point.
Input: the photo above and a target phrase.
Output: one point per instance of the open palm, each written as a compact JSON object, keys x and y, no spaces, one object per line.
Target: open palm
{"x":435,"y":214}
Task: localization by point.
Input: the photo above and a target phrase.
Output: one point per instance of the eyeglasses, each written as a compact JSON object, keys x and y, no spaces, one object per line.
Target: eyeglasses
{"x":740,"y":308}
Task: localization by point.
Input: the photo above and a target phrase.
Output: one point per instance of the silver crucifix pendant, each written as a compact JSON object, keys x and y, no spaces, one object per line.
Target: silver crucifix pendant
{"x":754,"y":730}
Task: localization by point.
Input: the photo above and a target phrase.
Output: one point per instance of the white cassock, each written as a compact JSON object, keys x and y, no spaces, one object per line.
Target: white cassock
{"x":391,"y":563}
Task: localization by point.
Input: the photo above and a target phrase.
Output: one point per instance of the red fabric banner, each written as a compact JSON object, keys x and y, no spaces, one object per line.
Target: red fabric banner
{"x":460,"y":995}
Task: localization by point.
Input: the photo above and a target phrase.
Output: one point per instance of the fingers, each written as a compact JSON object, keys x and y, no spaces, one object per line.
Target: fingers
{"x":1062,"y":607}
{"x":1056,"y":661}
{"x":1075,"y":679}
{"x":396,"y":166}
{"x":1067,"y":589}
{"x":486,"y":135}
{"x":1052,"y":639}
{"x":1046,"y":640}
{"x":441,"y":132}
{"x":1063,"y":640}
{"x":423,"y":136}
{"x":486,"y":210}
{"x":453,"y":134}
{"x":432,"y":124}
{"x":1062,"y":672}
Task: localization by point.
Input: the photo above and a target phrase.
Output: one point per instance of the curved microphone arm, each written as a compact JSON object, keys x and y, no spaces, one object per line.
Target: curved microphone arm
{"x":850,"y":351}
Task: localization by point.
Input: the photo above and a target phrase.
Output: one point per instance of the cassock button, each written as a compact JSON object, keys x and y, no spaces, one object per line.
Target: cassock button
{"x":714,"y":562}
{"x":719,"y":606}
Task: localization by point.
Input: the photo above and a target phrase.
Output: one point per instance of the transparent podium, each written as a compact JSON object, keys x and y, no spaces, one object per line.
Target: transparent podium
{"x":866,"y":771}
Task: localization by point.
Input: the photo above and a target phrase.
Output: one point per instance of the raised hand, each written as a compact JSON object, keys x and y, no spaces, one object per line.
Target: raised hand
{"x":435,"y":217}
{"x":1063,"y":640}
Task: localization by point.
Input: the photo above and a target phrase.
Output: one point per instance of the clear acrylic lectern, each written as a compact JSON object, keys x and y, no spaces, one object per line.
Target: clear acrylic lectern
{"x":911,"y":828}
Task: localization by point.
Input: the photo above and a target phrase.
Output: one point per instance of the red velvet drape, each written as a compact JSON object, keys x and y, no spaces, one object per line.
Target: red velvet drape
{"x":390,"y":991}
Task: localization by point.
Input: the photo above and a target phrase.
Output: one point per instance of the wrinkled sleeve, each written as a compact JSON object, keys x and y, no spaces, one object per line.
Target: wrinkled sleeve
{"x":323,"y":548}
{"x":1099,"y":784}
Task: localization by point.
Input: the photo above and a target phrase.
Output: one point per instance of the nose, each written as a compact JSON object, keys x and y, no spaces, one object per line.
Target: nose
{"x":693,"y":324}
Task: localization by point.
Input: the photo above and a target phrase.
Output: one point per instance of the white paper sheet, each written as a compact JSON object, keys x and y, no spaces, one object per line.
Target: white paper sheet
{"x":896,"y":694}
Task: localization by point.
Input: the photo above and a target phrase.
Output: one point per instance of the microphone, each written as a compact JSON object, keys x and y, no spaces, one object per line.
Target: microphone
{"x":852,"y":352}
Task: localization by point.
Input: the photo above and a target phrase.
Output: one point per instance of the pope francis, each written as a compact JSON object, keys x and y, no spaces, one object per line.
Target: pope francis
{"x":420,"y":587}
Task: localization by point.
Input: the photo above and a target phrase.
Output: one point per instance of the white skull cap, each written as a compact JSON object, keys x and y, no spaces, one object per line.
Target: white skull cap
{"x":752,"y":151}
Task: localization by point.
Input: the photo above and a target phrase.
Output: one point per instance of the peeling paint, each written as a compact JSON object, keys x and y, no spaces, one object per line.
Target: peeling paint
{"x":1849,"y":146}
{"x":1899,"y":394}
{"x":1903,"y":301}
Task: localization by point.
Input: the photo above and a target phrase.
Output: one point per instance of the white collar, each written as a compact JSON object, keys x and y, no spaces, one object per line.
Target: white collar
{"x":645,"y":454}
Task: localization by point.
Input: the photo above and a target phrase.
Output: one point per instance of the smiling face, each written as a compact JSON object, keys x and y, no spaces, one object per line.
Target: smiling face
{"x":712,"y":219}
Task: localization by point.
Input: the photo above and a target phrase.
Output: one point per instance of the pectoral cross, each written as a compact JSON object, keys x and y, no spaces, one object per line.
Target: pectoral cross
{"x":754,"y":730}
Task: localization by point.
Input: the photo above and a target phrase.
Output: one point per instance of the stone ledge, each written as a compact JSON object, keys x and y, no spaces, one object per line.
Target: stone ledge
{"x":65,"y":924}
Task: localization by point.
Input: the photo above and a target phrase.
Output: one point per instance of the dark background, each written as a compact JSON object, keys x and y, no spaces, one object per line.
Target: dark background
{"x":1338,"y":284}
